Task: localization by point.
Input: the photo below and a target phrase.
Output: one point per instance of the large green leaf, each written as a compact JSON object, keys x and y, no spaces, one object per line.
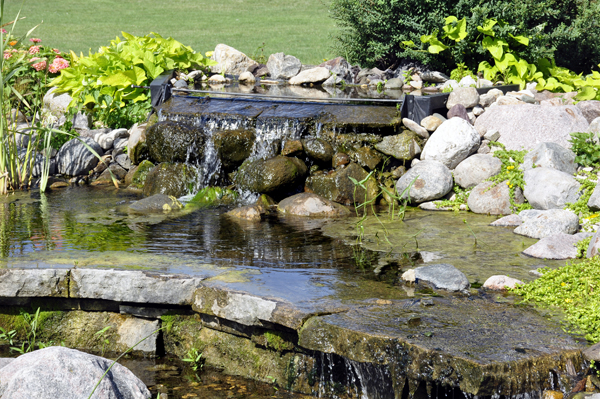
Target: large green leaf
{"x":487,"y":28}
{"x":586,"y":93}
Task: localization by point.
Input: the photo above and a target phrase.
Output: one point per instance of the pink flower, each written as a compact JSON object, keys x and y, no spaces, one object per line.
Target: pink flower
{"x":57,"y":51}
{"x":4,"y":31}
{"x":58,"y":64}
{"x":35,"y":40}
{"x":38,"y":66}
{"x":7,"y":55}
{"x":34,"y":49}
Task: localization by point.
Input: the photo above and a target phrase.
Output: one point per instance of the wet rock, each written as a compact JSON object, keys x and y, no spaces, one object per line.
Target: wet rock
{"x":34,"y":283}
{"x":367,"y":157}
{"x":59,"y":372}
{"x":459,"y":111}
{"x":319,"y":150}
{"x":113,"y":170}
{"x":265,"y":203}
{"x":524,"y":126}
{"x":233,"y":147}
{"x":170,"y":141}
{"x":212,"y":197}
{"x":170,"y":179}
{"x":340,"y":159}
{"x":500,"y":283}
{"x":136,"y":144}
{"x":442,"y":276}
{"x":404,"y":146}
{"x":283,"y":66}
{"x":431,"y":123}
{"x":559,"y":246}
{"x":314,"y":75}
{"x":156,"y":203}
{"x":136,"y":177}
{"x":590,"y":109}
{"x":452,"y":142}
{"x":468,"y":97}
{"x":510,"y":220}
{"x":546,"y":223}
{"x":248,"y":212}
{"x":550,"y":155}
{"x":309,"y":204}
{"x":275,"y":176}
{"x":475,"y":169}
{"x":74,"y":158}
{"x":338,"y":187}
{"x":547,"y":188}
{"x":415,"y":128}
{"x":230,"y":60}
{"x":432,"y":180}
{"x":292,"y":148}
{"x":492,"y":198}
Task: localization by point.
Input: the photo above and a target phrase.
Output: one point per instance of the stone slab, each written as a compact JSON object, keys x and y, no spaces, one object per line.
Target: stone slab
{"x":34,"y":283}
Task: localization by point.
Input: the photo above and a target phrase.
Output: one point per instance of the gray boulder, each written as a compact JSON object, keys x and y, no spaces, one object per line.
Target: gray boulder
{"x":442,"y":276}
{"x":313,"y":75}
{"x":594,"y":246}
{"x":594,"y":201}
{"x":452,"y":142}
{"x":595,"y":126}
{"x":475,"y":169}
{"x":550,"y":155}
{"x":230,"y":60}
{"x":465,"y":96}
{"x":74,"y":158}
{"x":590,"y":109}
{"x":309,"y":204}
{"x":283,"y":66}
{"x":546,"y":223}
{"x":59,"y":372}
{"x":524,"y":126}
{"x":432,"y":180}
{"x":404,"y":146}
{"x":491,"y":199}
{"x":156,"y":203}
{"x":559,"y":246}
{"x":547,"y":188}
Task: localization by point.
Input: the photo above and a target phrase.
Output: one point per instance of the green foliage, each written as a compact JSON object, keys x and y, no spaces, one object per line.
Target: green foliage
{"x":586,"y":148}
{"x":461,"y":71}
{"x":212,"y":197}
{"x":194,"y":358}
{"x":511,"y":173}
{"x":587,"y":218}
{"x":582,"y":247}
{"x":461,"y":198}
{"x":572,"y":289}
{"x":102,"y":82}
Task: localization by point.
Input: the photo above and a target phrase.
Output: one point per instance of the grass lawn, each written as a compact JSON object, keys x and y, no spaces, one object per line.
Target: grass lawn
{"x":297,"y":27}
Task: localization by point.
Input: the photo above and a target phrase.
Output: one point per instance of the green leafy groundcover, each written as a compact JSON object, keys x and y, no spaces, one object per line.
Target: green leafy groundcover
{"x":102,"y":82}
{"x":573,"y":289}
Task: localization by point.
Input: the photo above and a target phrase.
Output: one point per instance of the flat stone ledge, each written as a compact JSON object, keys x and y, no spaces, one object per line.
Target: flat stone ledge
{"x":133,"y":286}
{"x":27,"y":283}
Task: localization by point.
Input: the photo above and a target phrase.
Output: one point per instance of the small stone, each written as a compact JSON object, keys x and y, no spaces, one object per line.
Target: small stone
{"x":217,"y":79}
{"x":492,"y":135}
{"x":501,"y":283}
{"x":431,"y":123}
{"x":408,"y":276}
{"x":340,"y":159}
{"x":414,"y":127}
{"x":247,"y":78}
{"x":308,"y":204}
{"x":459,"y":111}
{"x":442,"y":276}
{"x":478,"y":110}
{"x":248,"y":212}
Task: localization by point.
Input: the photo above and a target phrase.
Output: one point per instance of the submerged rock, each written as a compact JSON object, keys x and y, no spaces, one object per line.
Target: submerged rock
{"x":248,"y":212}
{"x":156,"y":203}
{"x":275,"y":176}
{"x":212,"y":197}
{"x":443,"y":276}
{"x":58,"y":372}
{"x":338,"y":187}
{"x":309,"y":204}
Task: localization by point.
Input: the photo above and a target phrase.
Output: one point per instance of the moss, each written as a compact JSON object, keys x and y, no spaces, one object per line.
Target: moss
{"x":275,"y":340}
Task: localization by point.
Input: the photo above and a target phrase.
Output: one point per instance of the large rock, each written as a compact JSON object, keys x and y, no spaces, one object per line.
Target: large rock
{"x":156,"y":203}
{"x":432,"y":180}
{"x":465,"y":96}
{"x":547,"y":188}
{"x":309,"y":204}
{"x":56,"y":103}
{"x":59,"y":372}
{"x":559,"y":246}
{"x":442,"y":276}
{"x":233,"y":146}
{"x":475,"y":169}
{"x":275,"y":176}
{"x":313,"y":75}
{"x":338,"y":187}
{"x":319,"y":150}
{"x":170,"y":141}
{"x":404,"y":146}
{"x":550,"y":155}
{"x":590,"y":109}
{"x":451,"y":143}
{"x":74,"y":157}
{"x":524,"y":126}
{"x":230,"y":60}
{"x":283,"y":66}
{"x":137,"y":150}
{"x":546,"y":223}
{"x":594,"y":201}
{"x":170,"y":179}
{"x":492,"y":198}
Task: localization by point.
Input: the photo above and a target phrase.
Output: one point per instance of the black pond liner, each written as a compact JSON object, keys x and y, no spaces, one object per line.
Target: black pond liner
{"x":413,"y":107}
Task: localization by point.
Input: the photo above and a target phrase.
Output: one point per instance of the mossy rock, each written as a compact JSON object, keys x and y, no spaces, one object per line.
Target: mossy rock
{"x":212,"y":197}
{"x":233,"y":147}
{"x":276,"y":176}
{"x":137,"y":176}
{"x":170,"y":141}
{"x":338,"y":186}
{"x":170,"y":179}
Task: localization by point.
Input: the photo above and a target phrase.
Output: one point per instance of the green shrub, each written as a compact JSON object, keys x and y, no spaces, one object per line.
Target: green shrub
{"x":102,"y":82}
{"x":373,"y":32}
